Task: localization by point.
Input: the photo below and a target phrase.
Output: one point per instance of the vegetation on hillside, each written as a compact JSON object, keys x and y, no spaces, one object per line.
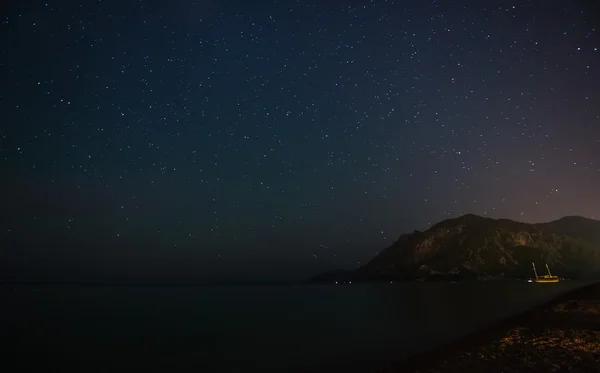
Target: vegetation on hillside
{"x":472,"y":247}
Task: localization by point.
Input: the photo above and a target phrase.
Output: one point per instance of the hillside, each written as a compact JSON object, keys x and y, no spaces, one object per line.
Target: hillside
{"x":475,"y":247}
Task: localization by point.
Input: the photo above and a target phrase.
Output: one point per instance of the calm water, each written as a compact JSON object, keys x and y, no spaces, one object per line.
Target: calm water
{"x":230,"y":329}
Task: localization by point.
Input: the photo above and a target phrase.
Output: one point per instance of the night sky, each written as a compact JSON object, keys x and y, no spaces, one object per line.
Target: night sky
{"x":153,"y":139}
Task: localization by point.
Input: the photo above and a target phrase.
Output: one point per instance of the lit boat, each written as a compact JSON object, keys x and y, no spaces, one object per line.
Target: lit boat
{"x":545,"y":278}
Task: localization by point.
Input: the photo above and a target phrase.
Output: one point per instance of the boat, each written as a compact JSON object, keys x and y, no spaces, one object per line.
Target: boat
{"x":545,"y":278}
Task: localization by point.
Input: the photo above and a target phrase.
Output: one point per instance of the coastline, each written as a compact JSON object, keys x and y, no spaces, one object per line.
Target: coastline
{"x":560,"y":335}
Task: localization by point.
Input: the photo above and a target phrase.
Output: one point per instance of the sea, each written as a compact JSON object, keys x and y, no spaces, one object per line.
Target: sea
{"x":315,"y":328}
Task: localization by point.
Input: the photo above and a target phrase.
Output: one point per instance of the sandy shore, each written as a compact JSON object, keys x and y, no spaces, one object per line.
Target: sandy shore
{"x":560,"y":336}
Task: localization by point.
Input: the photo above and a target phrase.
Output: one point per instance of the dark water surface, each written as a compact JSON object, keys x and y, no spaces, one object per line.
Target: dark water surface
{"x":234,"y":329}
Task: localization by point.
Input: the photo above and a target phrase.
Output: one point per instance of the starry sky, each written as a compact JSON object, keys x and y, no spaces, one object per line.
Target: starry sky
{"x":257,"y":138}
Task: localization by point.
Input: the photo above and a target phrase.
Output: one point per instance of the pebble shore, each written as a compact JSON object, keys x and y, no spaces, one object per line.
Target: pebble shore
{"x":561,"y":336}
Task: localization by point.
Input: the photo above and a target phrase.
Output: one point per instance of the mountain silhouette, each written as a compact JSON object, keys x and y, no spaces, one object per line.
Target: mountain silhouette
{"x":476,"y":247}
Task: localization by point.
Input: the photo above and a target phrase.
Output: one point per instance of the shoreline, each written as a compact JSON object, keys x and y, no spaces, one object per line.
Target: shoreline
{"x":562,"y":334}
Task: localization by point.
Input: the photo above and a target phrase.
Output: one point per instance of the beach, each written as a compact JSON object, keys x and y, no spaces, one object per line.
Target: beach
{"x":562,"y":335}
{"x":357,"y":328}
